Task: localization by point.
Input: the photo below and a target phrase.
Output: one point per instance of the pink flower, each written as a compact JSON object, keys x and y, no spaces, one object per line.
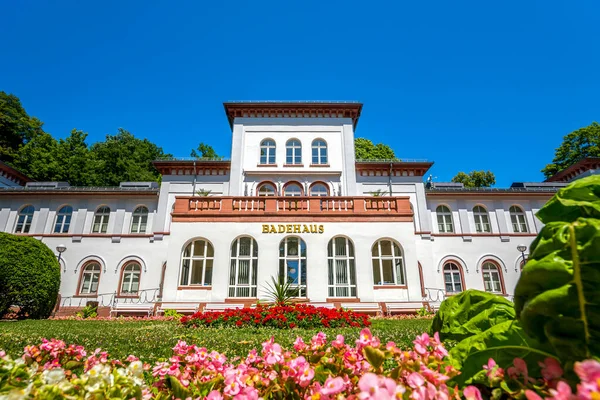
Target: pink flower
{"x":374,"y":387}
{"x":214,"y":395}
{"x":415,"y":380}
{"x":338,"y":342}
{"x":551,"y":369}
{"x":520,"y":368}
{"x":272,"y":352}
{"x":531,"y":395}
{"x":472,"y":393}
{"x":493,"y":370}
{"x":365,"y":338}
{"x":589,"y":373}
{"x":299,"y":344}
{"x":332,"y":386}
{"x":421,"y":343}
{"x":320,"y":339}
{"x":232,"y":388}
{"x":562,"y":392}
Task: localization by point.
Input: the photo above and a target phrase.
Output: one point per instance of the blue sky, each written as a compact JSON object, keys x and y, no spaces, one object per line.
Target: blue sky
{"x":467,"y":84}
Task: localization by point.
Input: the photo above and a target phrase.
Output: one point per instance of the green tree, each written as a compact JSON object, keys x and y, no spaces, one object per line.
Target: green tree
{"x":475,"y":179}
{"x":582,"y":143}
{"x":77,"y":165}
{"x":38,"y":158}
{"x":16,"y":126}
{"x":205,"y":151}
{"x":364,"y":149}
{"x":123,"y":157}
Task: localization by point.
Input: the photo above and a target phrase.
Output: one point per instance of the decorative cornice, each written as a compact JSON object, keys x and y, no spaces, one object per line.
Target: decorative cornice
{"x":199,"y":167}
{"x":292,"y":110}
{"x":393,"y":168}
{"x":581,"y":166}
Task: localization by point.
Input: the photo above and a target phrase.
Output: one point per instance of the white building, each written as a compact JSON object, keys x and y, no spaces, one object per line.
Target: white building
{"x":293,"y":201}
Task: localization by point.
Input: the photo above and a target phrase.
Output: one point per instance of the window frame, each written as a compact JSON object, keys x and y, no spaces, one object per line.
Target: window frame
{"x":89,"y":293}
{"x":184,"y":281}
{"x":320,"y":145}
{"x":444,"y":214}
{"x":266,"y":184}
{"x":349,"y":261}
{"x":516,"y":211}
{"x":233,"y":285}
{"x":270,"y":152}
{"x":302,"y":264}
{"x":481,"y":215}
{"x":293,"y":183}
{"x":293,"y":152}
{"x":142,"y":217}
{"x":104,"y":219}
{"x":62,"y":219}
{"x":498,"y":269}
{"x":394,"y":258}
{"x":24,"y":219}
{"x":122,"y":279}
{"x":312,"y":186}
{"x":461,"y":277}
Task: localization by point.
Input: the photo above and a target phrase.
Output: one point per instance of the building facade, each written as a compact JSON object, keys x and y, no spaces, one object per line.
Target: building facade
{"x":292,"y":202}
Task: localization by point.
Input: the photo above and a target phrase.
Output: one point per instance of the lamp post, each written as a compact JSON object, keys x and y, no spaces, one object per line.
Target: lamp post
{"x":61,"y":249}
{"x":521,"y":248}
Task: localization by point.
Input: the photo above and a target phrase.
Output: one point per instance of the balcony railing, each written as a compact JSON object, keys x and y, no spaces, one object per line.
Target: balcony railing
{"x":226,"y":206}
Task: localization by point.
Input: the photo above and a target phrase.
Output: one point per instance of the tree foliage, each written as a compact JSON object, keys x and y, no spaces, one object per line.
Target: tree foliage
{"x":205,"y":151}
{"x":364,"y":149}
{"x":29,"y":276}
{"x":582,"y":143}
{"x":475,"y":179}
{"x":17,"y":128}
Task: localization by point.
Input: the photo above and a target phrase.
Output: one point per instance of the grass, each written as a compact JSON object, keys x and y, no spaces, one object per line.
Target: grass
{"x":153,"y":340}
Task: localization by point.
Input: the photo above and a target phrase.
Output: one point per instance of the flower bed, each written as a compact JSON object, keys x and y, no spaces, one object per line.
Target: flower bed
{"x":287,"y":316}
{"x":318,"y":369}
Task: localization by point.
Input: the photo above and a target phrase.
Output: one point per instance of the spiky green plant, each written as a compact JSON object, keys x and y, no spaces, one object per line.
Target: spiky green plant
{"x":280,"y":291}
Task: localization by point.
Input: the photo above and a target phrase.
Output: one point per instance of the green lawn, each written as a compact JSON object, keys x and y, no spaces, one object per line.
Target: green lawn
{"x":152,"y":340}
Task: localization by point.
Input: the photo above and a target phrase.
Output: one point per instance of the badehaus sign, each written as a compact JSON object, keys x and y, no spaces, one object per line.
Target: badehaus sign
{"x":293,"y":228}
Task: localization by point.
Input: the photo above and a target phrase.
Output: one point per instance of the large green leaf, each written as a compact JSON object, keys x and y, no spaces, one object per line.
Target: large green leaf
{"x":557,"y":299}
{"x":470,"y":313}
{"x":579,"y":199}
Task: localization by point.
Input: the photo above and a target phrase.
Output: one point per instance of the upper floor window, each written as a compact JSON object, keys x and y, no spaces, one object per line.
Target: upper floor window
{"x":453,"y":278}
{"x":101,"y":217}
{"x":292,"y":264}
{"x":266,"y":189}
{"x":518,"y":219}
{"x":444,"y":219}
{"x":482,"y":220}
{"x":130,"y":278}
{"x":243,"y":267}
{"x":24,"y":219}
{"x":267,"y":152}
{"x":293,"y":152}
{"x":388,"y":265}
{"x":319,"y":151}
{"x":139,"y":220}
{"x":319,"y":189}
{"x":292,"y":189}
{"x":341,"y":268}
{"x":90,"y":277}
{"x":197,"y":263}
{"x":492,"y":278}
{"x":63,"y":219}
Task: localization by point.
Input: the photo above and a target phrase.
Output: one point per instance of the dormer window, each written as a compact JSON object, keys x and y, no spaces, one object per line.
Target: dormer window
{"x":293,"y":152}
{"x":267,"y":152}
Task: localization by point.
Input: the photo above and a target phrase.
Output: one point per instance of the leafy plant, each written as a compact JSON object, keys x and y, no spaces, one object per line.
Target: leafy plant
{"x":281,"y":291}
{"x":204,"y":193}
{"x":172,"y":313}
{"x":89,"y":311}
{"x":424,"y":312}
{"x":378,"y":193}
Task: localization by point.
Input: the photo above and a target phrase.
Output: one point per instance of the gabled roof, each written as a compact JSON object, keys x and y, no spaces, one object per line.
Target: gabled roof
{"x":13,"y":174}
{"x":576,"y":169}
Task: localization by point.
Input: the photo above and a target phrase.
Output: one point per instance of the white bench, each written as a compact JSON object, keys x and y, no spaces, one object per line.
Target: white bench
{"x":215,"y":307}
{"x":363,"y":307}
{"x":403,"y":307}
{"x":181,"y":308}
{"x":145,"y":308}
{"x":324,"y":305}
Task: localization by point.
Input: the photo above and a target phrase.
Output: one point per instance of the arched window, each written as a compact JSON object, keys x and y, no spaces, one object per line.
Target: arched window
{"x":244,"y":267}
{"x":292,"y":189}
{"x":453,"y":278}
{"x":266,"y":189}
{"x":293,"y":152}
{"x":101,"y":220}
{"x":319,"y":189}
{"x":341,"y":268}
{"x":492,"y":278}
{"x":482,"y":220}
{"x":24,"y":219}
{"x":130,"y":278}
{"x":63,"y":219}
{"x":388,"y":265}
{"x":197,"y":263}
{"x":90,"y":277}
{"x":518,"y":220}
{"x":267,"y":152}
{"x":444,"y":219}
{"x":139,"y":220}
{"x":319,"y":152}
{"x":292,"y":264}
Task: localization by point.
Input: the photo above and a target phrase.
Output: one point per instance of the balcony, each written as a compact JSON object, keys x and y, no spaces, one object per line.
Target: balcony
{"x":300,"y":209}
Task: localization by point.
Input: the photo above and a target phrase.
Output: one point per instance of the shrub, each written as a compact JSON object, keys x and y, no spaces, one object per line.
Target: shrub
{"x":89,"y":311}
{"x":287,"y":316}
{"x":29,"y":276}
{"x":173,"y":313}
